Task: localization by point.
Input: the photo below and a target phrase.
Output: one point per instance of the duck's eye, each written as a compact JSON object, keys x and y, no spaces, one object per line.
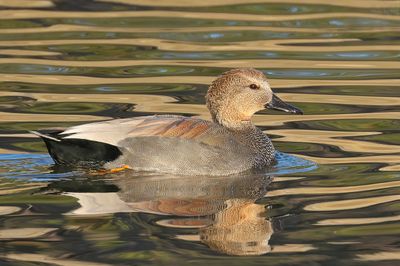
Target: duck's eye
{"x":254,"y":86}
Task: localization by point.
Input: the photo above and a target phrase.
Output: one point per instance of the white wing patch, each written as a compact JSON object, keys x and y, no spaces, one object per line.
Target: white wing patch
{"x":114,"y":131}
{"x":110,"y":132}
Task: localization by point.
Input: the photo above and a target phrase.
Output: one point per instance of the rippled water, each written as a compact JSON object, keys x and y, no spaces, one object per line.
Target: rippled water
{"x":64,"y":62}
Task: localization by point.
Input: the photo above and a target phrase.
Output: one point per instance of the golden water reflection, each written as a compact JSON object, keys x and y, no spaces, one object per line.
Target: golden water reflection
{"x":349,"y":3}
{"x":35,"y":14}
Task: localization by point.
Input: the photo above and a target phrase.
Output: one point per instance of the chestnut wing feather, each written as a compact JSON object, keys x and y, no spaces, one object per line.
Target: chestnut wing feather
{"x":114,"y":131}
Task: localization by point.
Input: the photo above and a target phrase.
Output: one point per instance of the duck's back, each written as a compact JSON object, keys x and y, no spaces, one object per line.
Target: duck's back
{"x":174,"y":144}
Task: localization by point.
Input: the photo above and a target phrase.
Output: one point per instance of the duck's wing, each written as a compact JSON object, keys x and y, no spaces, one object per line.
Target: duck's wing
{"x":115,"y":132}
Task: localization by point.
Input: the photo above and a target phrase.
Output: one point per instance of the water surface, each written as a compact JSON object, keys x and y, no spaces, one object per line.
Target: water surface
{"x":63,"y":63}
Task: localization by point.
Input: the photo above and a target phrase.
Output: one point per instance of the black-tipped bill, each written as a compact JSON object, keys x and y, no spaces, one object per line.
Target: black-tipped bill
{"x":280,"y":105}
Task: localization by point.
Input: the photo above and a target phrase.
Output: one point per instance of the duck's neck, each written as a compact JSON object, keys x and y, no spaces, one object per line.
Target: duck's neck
{"x":236,"y":125}
{"x":231,"y":118}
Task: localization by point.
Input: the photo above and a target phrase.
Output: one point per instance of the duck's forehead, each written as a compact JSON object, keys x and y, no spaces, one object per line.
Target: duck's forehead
{"x":259,"y":80}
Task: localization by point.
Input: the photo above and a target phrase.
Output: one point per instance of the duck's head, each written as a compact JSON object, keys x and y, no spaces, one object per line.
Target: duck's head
{"x":237,"y":94}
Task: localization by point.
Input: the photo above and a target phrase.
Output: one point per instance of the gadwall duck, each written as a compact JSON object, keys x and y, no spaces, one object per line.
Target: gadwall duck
{"x":177,"y":144}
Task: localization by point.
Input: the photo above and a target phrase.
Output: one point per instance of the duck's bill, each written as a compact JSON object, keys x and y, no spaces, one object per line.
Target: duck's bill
{"x":278,"y":104}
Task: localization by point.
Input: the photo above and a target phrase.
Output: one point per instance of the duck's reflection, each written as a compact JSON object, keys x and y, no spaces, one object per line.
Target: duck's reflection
{"x":222,"y":208}
{"x":239,"y":229}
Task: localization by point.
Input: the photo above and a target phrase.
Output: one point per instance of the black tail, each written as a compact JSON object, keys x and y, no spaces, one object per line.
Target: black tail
{"x":78,"y":152}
